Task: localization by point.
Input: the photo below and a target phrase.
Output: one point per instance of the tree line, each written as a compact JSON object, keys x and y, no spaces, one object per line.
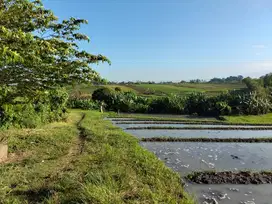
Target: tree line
{"x":230,"y":79}
{"x":254,"y":100}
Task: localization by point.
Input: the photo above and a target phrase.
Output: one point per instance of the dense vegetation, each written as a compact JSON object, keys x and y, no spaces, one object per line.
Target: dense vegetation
{"x":31,"y":112}
{"x":254,"y":100}
{"x":81,"y":158}
{"x":38,"y":56}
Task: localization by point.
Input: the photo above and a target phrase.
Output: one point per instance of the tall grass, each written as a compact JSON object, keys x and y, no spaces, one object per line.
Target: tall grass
{"x":85,"y":160}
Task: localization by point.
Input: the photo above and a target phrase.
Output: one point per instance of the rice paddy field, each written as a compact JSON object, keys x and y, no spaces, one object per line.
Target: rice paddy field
{"x":227,"y":163}
{"x":164,"y":89}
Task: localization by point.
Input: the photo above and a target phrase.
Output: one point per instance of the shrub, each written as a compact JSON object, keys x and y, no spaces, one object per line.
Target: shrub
{"x":254,"y":104}
{"x":168,"y":104}
{"x":197,"y":103}
{"x":79,"y":95}
{"x":85,"y":104}
{"x":118,"y":89}
{"x":103,"y":94}
{"x":29,"y":113}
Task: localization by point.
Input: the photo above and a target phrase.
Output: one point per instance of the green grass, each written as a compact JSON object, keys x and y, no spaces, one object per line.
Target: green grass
{"x":186,"y":88}
{"x":254,"y":119}
{"x":84,"y":160}
{"x":212,"y":87}
{"x":199,"y":128}
{"x":164,"y":89}
{"x":89,"y":89}
{"x":207,"y":139}
{"x":153,"y":117}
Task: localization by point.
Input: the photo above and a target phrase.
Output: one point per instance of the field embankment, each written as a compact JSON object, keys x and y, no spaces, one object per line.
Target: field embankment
{"x":250,"y":119}
{"x":84,"y":160}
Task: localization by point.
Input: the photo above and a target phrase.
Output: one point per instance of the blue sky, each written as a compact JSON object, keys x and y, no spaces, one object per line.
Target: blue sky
{"x":175,"y":40}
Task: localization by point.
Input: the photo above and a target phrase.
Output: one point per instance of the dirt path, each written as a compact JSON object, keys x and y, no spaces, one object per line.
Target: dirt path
{"x":77,"y":148}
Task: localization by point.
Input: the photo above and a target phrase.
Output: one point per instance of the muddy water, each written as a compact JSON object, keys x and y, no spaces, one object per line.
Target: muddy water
{"x":232,"y":194}
{"x":124,"y":126}
{"x":167,"y":116}
{"x":187,"y":157}
{"x":191,"y":156}
{"x":201,"y":133}
{"x":193,"y":133}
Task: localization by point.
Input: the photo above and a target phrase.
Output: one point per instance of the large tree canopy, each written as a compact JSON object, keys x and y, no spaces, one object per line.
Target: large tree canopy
{"x":38,"y":52}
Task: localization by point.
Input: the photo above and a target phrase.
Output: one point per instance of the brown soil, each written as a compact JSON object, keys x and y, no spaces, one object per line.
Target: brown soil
{"x":234,"y":140}
{"x":199,"y":128}
{"x":189,"y":123}
{"x":229,"y":177}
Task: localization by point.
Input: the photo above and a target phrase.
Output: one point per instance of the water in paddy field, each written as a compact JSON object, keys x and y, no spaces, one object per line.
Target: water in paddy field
{"x":124,"y":126}
{"x":187,"y":157}
{"x":167,"y":116}
{"x":149,"y":133}
{"x":193,"y":156}
{"x":201,"y":133}
{"x":231,"y":194}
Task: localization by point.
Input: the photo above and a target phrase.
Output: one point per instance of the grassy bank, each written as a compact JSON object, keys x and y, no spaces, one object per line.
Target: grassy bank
{"x":263,"y":120}
{"x":84,"y":160}
{"x":160,"y":117}
{"x":127,"y":122}
{"x":254,"y":119}
{"x":203,"y":139}
{"x":200,"y":128}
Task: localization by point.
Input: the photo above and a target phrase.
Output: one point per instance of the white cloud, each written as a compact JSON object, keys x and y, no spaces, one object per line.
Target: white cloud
{"x":260,"y":46}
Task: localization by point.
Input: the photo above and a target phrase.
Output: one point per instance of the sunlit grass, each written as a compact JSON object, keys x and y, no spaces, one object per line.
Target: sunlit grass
{"x":163,"y":89}
{"x":111,"y":166}
{"x":257,"y":119}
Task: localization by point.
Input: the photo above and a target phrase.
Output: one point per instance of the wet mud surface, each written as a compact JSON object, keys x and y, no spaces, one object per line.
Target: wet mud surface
{"x":231,"y":194}
{"x":229,"y":177}
{"x":225,"y":140}
{"x":199,"y":128}
{"x":201,"y":133}
{"x":209,"y":151}
{"x":192,"y":156}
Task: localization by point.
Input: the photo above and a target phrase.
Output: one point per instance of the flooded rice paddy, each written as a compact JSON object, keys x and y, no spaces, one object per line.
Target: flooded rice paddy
{"x":124,"y":126}
{"x":187,"y":157}
{"x":194,"y":156}
{"x":231,"y":194}
{"x":201,"y":133}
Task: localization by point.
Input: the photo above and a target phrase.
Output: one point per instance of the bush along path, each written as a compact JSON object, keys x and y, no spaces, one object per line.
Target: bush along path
{"x":85,"y":160}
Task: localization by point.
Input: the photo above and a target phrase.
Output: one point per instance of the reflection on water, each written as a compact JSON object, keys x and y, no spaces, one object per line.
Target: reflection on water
{"x":232,"y":194}
{"x":191,"y":156}
{"x":201,"y":133}
{"x":194,"y":133}
{"x":187,"y":157}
